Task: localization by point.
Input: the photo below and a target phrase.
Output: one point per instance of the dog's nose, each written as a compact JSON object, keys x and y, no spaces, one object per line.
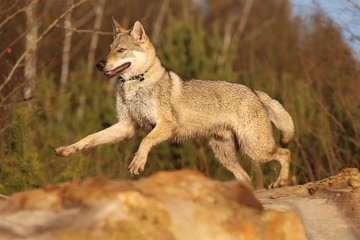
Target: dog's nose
{"x":100,"y":65}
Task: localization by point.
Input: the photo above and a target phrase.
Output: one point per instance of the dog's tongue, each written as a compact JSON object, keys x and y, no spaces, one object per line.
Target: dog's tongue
{"x":111,"y":73}
{"x":118,"y":69}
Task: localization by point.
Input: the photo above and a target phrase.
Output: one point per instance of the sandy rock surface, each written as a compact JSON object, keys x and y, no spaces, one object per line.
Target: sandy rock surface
{"x":167,"y":205}
{"x":329,"y":209}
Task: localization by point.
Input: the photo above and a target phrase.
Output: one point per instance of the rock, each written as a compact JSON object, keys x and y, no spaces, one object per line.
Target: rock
{"x":3,"y":197}
{"x":329,"y":208}
{"x":167,"y":205}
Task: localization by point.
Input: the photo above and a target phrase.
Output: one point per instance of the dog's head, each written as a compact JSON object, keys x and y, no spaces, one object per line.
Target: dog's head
{"x":130,"y":52}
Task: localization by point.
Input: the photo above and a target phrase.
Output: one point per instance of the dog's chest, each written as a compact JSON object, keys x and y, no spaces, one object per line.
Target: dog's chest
{"x":139,"y":105}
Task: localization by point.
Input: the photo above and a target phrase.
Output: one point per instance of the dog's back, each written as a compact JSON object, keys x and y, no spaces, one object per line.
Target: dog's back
{"x":204,"y":107}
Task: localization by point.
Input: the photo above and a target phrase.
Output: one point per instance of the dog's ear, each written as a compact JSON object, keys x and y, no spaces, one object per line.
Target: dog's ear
{"x":117,"y":28}
{"x":138,"y":32}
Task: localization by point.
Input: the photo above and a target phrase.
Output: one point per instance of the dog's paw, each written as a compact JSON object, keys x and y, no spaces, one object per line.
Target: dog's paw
{"x":137,"y":165}
{"x":278,"y":183}
{"x":65,"y":151}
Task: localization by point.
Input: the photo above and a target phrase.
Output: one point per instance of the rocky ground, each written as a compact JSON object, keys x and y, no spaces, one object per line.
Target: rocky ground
{"x":329,"y":209}
{"x":184,"y":205}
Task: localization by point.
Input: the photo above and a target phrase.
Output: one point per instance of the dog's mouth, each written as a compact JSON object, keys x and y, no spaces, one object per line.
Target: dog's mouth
{"x":117,"y":70}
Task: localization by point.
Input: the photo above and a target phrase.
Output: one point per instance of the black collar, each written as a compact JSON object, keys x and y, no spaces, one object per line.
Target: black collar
{"x":140,"y":77}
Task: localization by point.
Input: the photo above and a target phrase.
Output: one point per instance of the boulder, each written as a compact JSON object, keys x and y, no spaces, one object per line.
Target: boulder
{"x":167,"y":205}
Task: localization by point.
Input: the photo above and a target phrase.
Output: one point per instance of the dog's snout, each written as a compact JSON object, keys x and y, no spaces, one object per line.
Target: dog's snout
{"x":100,"y":65}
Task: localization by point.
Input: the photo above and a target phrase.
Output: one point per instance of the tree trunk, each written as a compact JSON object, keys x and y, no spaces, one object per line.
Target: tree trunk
{"x":99,"y":12}
{"x":66,"y":49}
{"x":243,"y":20}
{"x":159,"y":21}
{"x":30,"y":58}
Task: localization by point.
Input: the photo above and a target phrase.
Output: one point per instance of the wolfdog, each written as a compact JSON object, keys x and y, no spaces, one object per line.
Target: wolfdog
{"x":170,"y":108}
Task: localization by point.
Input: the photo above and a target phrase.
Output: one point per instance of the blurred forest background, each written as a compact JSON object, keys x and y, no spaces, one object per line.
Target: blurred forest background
{"x":52,"y":95}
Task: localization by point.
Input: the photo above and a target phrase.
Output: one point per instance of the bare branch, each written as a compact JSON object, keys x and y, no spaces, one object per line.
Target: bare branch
{"x":354,"y":4}
{"x":47,"y":30}
{"x":12,"y":91}
{"x":316,"y":99}
{"x":256,"y":32}
{"x":12,"y":43}
{"x":13,"y":5}
{"x":17,"y":12}
{"x":85,"y":31}
{"x":16,"y":102}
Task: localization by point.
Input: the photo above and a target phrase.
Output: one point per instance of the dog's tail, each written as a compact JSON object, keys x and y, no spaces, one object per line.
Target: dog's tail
{"x":279,"y":116}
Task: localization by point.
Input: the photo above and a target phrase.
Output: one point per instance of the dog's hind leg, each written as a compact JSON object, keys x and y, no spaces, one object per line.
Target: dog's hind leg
{"x":258,"y":143}
{"x":224,"y":147}
{"x":283,"y":156}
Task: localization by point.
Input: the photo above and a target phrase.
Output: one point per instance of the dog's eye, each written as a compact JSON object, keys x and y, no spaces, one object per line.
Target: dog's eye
{"x":121,"y":50}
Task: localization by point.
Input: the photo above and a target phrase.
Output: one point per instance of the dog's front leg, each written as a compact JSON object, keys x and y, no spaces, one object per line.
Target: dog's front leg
{"x":117,"y":132}
{"x":162,"y":132}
